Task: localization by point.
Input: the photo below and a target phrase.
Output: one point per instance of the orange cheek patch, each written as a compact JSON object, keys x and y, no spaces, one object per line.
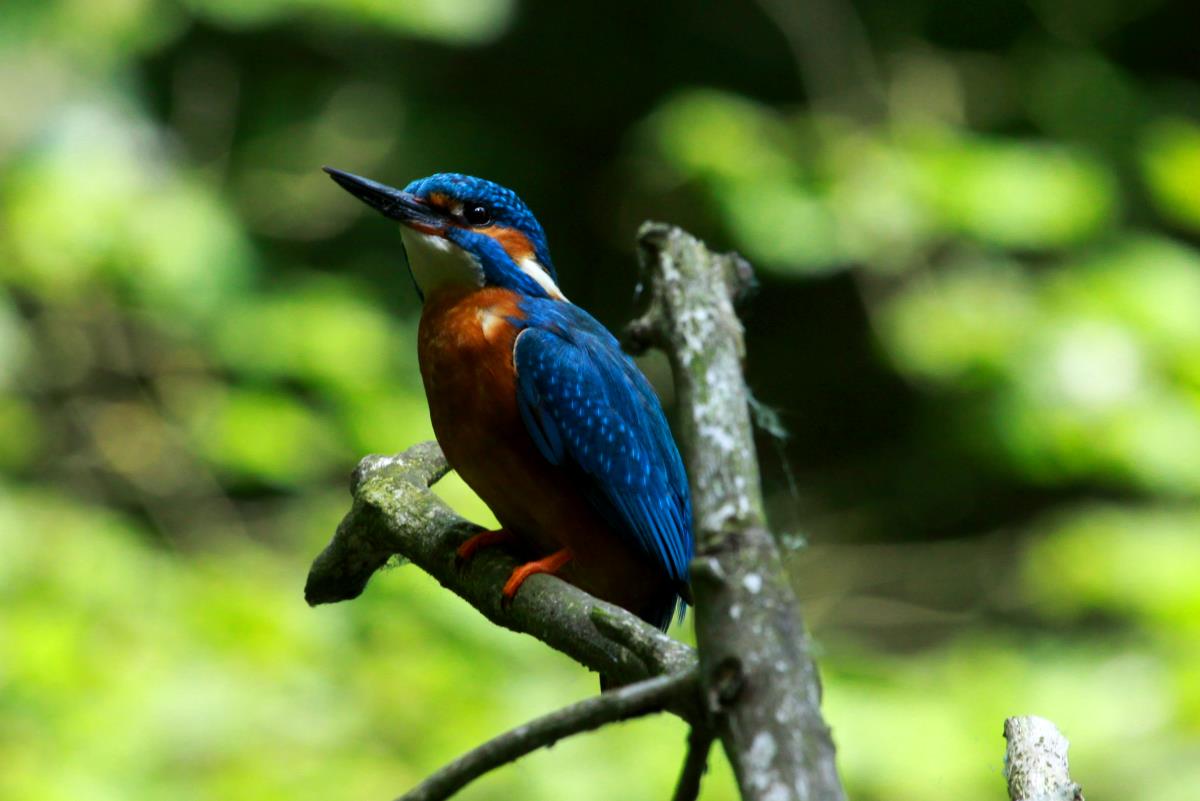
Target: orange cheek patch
{"x":515,"y":243}
{"x":439,"y":199}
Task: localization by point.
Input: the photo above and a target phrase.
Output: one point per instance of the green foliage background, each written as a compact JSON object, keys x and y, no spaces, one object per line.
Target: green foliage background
{"x":977,"y":228}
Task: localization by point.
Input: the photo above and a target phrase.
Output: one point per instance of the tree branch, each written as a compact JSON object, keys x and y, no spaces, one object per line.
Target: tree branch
{"x":394,"y":512}
{"x":700,"y":740}
{"x":1035,"y":762}
{"x":631,"y":701}
{"x":757,"y":672}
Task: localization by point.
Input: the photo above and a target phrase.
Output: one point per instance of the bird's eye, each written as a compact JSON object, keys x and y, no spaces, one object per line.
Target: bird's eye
{"x":477,"y":214}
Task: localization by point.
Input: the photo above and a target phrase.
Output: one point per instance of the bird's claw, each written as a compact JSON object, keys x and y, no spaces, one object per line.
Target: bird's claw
{"x":551,"y":564}
{"x":483,"y":539}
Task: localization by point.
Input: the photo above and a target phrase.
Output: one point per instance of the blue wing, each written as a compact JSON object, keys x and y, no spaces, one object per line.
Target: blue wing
{"x":587,"y":405}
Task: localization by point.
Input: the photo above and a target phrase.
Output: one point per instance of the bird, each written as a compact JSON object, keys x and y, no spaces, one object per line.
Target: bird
{"x":534,"y":403}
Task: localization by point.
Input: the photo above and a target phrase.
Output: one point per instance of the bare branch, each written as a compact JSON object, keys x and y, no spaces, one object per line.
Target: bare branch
{"x":631,"y":701}
{"x":645,"y":642}
{"x":395,"y":513}
{"x":757,"y":671}
{"x":700,"y":740}
{"x":1035,"y":762}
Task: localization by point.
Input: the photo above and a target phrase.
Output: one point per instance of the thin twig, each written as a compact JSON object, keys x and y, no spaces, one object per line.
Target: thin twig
{"x":634,"y":700}
{"x":833,"y":58}
{"x":700,"y":741}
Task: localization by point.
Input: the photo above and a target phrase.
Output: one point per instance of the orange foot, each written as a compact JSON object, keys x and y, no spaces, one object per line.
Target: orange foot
{"x":484,"y":539}
{"x":551,"y":564}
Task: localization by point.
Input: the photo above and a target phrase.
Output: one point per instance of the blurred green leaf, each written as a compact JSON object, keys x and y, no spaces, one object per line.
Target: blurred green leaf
{"x":99,"y":33}
{"x":385,"y":419}
{"x":20,"y":433}
{"x":1107,"y":695}
{"x":1085,"y":99}
{"x":962,"y":326}
{"x":818,"y":193}
{"x":1170,"y":157}
{"x":1086,"y":402}
{"x":1091,"y":366}
{"x":1140,"y":562}
{"x":226,"y":684}
{"x":1032,"y":195}
{"x":723,"y":137}
{"x":448,"y":20}
{"x":1150,"y":283}
{"x":14,"y":345}
{"x":267,"y":436}
{"x":780,"y":224}
{"x":320,"y":331}
{"x":98,"y":201}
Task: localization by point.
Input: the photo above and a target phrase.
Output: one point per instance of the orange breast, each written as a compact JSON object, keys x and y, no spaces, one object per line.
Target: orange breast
{"x":465,"y":348}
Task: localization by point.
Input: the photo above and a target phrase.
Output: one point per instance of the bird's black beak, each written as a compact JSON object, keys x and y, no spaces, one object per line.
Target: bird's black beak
{"x":408,"y":209}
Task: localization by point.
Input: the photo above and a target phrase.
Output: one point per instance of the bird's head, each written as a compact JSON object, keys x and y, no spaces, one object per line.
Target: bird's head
{"x":465,"y":231}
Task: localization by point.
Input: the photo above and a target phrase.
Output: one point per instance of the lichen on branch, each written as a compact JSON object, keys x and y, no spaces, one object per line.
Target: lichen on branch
{"x":394,"y":512}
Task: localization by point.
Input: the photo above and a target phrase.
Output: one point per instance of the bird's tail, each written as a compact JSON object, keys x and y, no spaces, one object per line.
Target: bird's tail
{"x":661,"y":609}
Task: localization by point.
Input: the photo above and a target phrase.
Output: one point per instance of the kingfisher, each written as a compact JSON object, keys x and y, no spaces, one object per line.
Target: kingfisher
{"x":534,"y":403}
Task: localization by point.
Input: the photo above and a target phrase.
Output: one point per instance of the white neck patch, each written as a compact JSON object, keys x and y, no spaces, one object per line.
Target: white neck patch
{"x":534,"y":269}
{"x":436,"y":261}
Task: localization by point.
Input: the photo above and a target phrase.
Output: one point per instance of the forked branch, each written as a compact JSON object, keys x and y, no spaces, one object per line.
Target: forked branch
{"x":757,"y":684}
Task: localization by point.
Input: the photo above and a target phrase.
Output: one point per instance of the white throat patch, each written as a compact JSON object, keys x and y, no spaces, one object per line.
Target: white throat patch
{"x":436,"y":261}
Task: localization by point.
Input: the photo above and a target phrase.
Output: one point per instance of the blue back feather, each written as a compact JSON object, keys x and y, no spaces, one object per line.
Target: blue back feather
{"x":588,"y":407}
